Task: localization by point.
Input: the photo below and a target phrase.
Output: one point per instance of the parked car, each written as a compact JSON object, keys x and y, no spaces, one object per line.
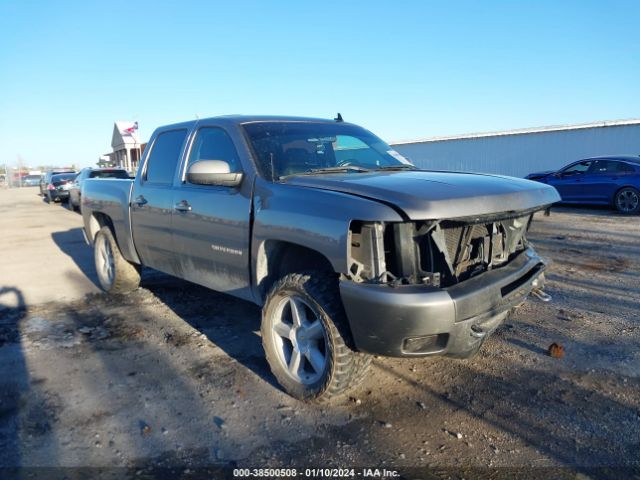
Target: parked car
{"x":58,"y":187}
{"x":349,"y":249}
{"x":45,"y":179}
{"x":613,"y":181}
{"x":31,"y":180}
{"x":75,"y":192}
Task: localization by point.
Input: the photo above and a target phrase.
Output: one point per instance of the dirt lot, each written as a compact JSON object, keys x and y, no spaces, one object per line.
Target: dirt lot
{"x":173,"y":375}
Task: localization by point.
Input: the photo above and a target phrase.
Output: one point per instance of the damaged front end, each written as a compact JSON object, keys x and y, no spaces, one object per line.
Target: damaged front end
{"x":438,"y":253}
{"x":437,"y":287}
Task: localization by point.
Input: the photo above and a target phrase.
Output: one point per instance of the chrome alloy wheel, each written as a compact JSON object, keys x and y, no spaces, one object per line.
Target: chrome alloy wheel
{"x":300,"y":339}
{"x":627,"y":200}
{"x":104,"y":261}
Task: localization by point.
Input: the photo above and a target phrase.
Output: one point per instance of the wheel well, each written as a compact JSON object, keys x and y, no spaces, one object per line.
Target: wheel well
{"x":278,"y":258}
{"x":97,"y":221}
{"x":613,"y":199}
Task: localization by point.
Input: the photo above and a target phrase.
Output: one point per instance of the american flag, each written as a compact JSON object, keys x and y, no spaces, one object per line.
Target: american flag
{"x":130,"y":130}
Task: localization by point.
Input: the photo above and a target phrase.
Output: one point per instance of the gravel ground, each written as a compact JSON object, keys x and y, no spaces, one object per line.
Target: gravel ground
{"x":173,"y":375}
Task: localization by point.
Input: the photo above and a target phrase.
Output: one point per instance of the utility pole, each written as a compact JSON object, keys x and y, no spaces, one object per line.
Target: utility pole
{"x":19,"y":171}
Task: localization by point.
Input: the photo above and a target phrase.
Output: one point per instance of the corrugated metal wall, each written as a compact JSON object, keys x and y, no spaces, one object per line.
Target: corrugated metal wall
{"x":520,"y":154}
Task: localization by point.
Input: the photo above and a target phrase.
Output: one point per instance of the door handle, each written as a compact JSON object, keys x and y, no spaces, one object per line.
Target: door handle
{"x":140,"y":201}
{"x":183,"y":206}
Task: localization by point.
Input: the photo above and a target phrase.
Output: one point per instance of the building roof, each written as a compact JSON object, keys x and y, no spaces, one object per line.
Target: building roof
{"x":521,"y":131}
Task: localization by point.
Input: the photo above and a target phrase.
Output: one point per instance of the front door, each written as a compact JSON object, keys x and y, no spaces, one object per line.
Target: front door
{"x":569,"y":181}
{"x":211,"y":223}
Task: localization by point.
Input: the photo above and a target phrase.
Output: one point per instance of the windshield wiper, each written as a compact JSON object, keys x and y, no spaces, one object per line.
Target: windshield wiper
{"x":343,"y":168}
{"x":398,"y":167}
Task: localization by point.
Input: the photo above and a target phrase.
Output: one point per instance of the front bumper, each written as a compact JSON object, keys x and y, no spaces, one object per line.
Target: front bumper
{"x":417,"y":320}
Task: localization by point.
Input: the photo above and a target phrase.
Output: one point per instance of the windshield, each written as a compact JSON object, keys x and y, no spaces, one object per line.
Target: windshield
{"x":109,"y":174}
{"x":291,"y":148}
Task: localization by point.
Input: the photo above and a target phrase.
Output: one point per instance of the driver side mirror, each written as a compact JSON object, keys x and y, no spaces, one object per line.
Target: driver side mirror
{"x":213,"y":172}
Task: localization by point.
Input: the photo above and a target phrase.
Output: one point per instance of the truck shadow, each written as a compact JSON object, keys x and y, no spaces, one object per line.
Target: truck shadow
{"x":72,"y":243}
{"x":230,"y":323}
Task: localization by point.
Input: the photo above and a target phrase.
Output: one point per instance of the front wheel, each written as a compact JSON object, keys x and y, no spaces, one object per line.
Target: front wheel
{"x":306,"y":338}
{"x":627,"y":200}
{"x":115,"y":273}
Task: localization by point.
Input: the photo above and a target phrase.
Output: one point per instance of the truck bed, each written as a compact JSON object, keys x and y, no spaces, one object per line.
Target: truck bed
{"x":110,"y":198}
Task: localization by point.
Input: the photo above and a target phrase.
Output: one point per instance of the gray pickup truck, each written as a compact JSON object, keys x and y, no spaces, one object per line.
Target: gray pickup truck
{"x":349,"y":249}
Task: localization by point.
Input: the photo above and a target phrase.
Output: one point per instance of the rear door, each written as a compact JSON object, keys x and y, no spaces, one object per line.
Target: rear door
{"x":152,"y":201}
{"x":211,"y":223}
{"x":602,"y":180}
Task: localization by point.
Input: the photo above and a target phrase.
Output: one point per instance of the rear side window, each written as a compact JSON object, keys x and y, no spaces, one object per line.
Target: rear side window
{"x":604,"y":166}
{"x":213,"y":143}
{"x":625,"y":167}
{"x":164,"y":157}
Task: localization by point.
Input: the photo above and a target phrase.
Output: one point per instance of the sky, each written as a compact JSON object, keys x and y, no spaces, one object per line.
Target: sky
{"x":403,"y":69}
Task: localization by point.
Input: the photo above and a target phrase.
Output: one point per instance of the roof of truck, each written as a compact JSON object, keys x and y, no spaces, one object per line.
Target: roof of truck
{"x":240,"y":119}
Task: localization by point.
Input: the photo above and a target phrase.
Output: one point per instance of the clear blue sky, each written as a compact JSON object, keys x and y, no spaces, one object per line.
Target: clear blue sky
{"x":404,"y":69}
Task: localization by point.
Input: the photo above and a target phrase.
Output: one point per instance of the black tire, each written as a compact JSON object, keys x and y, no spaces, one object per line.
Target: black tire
{"x":627,"y":200}
{"x":115,"y":274}
{"x":49,"y":199}
{"x":72,"y":205}
{"x":314,"y":293}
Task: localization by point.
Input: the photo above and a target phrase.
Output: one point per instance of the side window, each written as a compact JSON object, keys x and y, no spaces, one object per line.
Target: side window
{"x":603,"y":167}
{"x":624,"y":168}
{"x":213,"y":143}
{"x":164,"y":157}
{"x":578,"y":168}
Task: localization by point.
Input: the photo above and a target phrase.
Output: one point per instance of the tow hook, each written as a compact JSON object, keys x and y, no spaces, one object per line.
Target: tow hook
{"x":538,"y":292}
{"x":477,"y":332}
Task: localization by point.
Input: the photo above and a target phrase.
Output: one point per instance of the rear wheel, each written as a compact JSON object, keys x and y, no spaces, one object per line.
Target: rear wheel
{"x":306,"y":338}
{"x":627,"y":200}
{"x":115,"y":273}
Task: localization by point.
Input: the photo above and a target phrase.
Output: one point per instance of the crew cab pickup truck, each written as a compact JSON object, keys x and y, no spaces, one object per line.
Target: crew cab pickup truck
{"x":349,"y":249}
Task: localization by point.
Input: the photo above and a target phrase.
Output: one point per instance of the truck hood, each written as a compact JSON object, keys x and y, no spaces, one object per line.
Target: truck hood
{"x":424,"y":195}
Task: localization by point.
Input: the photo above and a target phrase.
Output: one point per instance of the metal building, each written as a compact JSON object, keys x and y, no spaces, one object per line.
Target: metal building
{"x":519,"y":152}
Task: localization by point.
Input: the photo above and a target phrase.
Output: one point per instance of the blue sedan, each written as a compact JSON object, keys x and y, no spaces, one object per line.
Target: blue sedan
{"x":613,"y":181}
